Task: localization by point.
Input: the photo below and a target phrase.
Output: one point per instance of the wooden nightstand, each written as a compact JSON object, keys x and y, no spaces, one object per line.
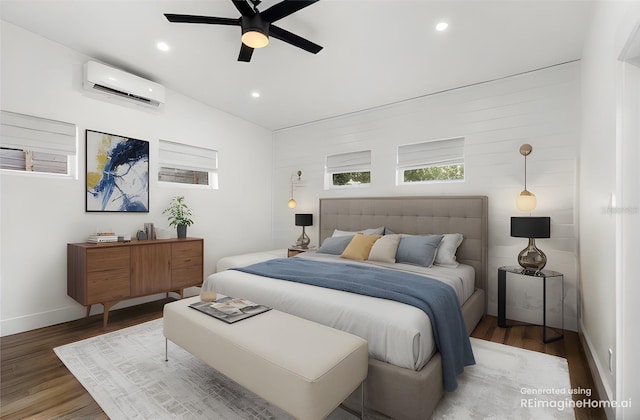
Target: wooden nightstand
{"x":295,"y":250}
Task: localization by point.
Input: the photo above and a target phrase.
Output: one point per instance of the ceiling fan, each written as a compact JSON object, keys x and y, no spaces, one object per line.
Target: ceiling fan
{"x":257,"y":26}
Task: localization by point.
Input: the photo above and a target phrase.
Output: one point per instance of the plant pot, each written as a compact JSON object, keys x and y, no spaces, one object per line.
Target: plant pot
{"x":182,"y":231}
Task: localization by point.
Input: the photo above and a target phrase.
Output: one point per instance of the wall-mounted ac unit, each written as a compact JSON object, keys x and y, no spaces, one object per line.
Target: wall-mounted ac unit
{"x":111,"y":81}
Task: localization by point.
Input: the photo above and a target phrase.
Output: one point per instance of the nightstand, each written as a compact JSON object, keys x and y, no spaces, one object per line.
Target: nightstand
{"x":294,"y":250}
{"x":543,"y":275}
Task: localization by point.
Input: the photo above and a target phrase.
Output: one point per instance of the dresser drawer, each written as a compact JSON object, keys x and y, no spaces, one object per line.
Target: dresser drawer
{"x":186,"y":250}
{"x":186,"y":277}
{"x":106,"y":259}
{"x":186,"y":264}
{"x":107,"y":285}
{"x":108,"y":274}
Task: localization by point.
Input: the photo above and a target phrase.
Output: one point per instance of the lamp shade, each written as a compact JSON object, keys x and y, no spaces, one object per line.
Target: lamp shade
{"x":304,"y":219}
{"x":531,"y":227}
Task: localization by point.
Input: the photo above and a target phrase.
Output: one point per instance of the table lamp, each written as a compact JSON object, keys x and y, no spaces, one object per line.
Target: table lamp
{"x":532,"y":259}
{"x":303,"y":219}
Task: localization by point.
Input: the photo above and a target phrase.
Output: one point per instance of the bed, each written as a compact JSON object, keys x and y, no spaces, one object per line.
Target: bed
{"x":405,"y":381}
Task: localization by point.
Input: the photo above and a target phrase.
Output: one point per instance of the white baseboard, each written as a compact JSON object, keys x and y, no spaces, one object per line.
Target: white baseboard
{"x":41,"y":319}
{"x":597,"y":372}
{"x":71,"y":313}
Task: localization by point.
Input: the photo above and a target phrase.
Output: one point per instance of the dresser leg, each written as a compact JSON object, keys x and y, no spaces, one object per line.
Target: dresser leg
{"x":105,"y":315}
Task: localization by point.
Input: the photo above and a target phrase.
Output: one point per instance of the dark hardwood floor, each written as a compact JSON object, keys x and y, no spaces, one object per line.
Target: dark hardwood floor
{"x":36,"y":385}
{"x":530,"y":337}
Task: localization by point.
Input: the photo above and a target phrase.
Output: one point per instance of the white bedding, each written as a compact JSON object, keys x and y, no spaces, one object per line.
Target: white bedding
{"x":397,"y":333}
{"x":248,"y":259}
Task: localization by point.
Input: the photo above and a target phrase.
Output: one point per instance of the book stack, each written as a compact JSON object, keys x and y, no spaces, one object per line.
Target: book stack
{"x":102,"y":237}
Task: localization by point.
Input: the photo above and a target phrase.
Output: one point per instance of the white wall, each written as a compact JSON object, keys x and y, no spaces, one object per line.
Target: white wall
{"x":541,"y":108}
{"x":608,"y":157}
{"x":628,"y":340}
{"x":40,"y":215}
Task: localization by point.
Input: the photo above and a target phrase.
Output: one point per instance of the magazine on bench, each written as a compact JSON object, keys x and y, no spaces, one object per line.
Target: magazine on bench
{"x":229,"y":309}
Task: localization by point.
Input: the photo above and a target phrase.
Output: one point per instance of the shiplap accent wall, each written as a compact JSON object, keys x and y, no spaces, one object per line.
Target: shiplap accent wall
{"x":541,"y":108}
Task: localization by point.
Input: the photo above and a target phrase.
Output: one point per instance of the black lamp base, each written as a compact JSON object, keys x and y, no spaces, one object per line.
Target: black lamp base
{"x":531,"y":258}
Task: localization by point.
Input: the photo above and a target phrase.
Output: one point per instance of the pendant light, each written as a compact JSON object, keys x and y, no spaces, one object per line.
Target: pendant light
{"x":526,"y":201}
{"x":292,"y":202}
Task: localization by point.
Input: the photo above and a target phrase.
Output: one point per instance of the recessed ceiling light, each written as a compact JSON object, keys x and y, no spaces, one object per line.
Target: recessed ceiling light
{"x":255,"y":94}
{"x":162,"y":46}
{"x":442,"y":26}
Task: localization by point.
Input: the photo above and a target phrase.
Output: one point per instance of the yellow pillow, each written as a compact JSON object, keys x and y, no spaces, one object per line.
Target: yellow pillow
{"x":359,"y":247}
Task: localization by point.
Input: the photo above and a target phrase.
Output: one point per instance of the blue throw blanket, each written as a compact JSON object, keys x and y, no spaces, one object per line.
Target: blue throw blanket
{"x":438,"y":300}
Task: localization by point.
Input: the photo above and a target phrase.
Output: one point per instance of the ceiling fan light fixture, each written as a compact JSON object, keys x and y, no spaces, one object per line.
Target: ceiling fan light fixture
{"x":254,"y":31}
{"x":255,"y":39}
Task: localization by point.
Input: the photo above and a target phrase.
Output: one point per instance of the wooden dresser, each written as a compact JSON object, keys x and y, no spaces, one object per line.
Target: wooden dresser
{"x":112,"y":272}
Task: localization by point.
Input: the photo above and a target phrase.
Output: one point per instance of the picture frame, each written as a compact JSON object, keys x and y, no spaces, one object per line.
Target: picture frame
{"x":117,"y":173}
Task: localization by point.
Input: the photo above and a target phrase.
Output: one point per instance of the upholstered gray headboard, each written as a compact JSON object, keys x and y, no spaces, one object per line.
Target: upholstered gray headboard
{"x":416,"y":215}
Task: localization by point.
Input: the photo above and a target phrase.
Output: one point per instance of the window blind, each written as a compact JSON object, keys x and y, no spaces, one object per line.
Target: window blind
{"x":25,"y":132}
{"x":184,"y":156}
{"x":349,"y":162}
{"x":432,"y":153}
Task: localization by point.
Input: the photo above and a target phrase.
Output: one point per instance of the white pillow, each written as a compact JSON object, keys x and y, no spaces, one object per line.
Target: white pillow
{"x":337,"y":233}
{"x":446,"y":254}
{"x":385,"y":248}
{"x":373,"y":231}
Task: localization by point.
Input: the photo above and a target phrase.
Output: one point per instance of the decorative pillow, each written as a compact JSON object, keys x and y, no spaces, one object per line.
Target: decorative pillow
{"x":385,"y":248}
{"x":372,"y":231}
{"x":335,"y":245}
{"x":446,"y":254}
{"x":418,"y":250}
{"x":359,"y":247}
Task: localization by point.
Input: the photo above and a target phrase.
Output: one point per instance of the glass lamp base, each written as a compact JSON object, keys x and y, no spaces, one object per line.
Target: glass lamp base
{"x":531,"y":258}
{"x":303,"y":241}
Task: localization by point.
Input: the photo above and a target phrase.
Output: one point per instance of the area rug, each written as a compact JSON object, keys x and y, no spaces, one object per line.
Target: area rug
{"x":126,"y":373}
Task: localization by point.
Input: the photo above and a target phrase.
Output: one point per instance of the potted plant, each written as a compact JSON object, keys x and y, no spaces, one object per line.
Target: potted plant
{"x":179,"y":215}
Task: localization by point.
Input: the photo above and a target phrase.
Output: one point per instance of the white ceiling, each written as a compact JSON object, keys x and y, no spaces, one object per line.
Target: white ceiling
{"x":375,"y":52}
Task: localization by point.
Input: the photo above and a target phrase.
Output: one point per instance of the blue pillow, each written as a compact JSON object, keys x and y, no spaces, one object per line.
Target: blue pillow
{"x":335,"y":244}
{"x":418,"y":250}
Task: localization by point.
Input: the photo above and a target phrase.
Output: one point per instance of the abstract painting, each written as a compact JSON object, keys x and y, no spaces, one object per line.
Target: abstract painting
{"x":117,"y":173}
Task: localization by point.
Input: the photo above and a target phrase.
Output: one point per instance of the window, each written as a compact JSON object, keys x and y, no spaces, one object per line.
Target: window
{"x":185,"y":164}
{"x":431,"y":161}
{"x":183,"y":176}
{"x":32,"y":144}
{"x":348,"y":170}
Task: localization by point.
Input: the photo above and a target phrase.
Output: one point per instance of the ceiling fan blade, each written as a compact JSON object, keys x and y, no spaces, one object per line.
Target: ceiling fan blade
{"x":243,"y":7}
{"x":201,"y":19}
{"x":245,"y":53}
{"x":284,"y":9}
{"x":293,"y":39}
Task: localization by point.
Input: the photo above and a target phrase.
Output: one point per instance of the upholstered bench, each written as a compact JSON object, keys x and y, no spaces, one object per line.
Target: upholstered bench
{"x":305,"y":368}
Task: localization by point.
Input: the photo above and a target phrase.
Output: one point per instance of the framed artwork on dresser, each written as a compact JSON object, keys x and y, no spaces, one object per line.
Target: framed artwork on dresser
{"x":117,"y":173}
